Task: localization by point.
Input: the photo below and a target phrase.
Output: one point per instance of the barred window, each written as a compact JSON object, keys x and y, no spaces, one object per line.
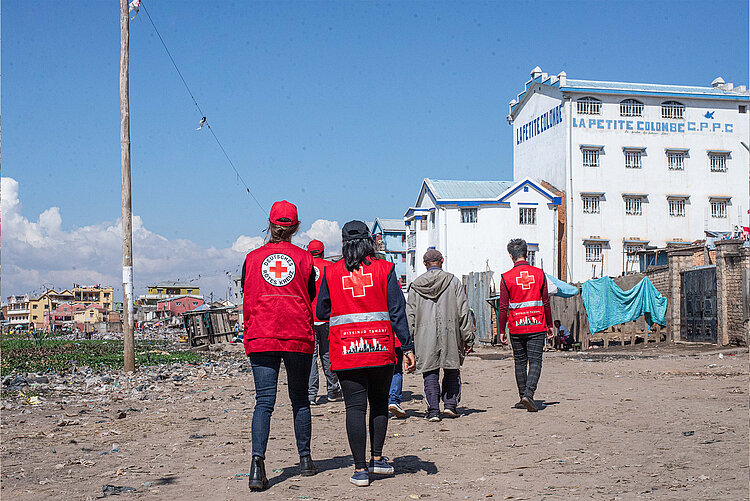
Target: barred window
{"x":631,"y":251}
{"x":718,"y":161}
{"x":676,"y":160}
{"x":672,"y":109}
{"x":589,"y":106}
{"x":531,"y":257}
{"x":631,"y":108}
{"x":469,"y":215}
{"x":527,"y":215}
{"x":591,"y":204}
{"x":591,"y":157}
{"x":633,"y":159}
{"x":593,"y":253}
{"x":423,"y":224}
{"x":719,"y":209}
{"x":677,"y":207}
{"x":633,"y":206}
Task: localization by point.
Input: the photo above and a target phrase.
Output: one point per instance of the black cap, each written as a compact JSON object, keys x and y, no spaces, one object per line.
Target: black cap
{"x":354,"y":230}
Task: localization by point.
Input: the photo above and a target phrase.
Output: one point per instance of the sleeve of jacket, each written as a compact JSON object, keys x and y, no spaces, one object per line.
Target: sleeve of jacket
{"x":464,"y":316}
{"x":323,"y":304}
{"x":411,"y":311}
{"x":545,"y":302}
{"x":397,"y":311}
{"x":311,"y":286}
{"x":502,"y":309}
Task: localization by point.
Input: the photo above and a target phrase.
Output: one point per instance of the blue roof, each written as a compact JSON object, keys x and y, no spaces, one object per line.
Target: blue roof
{"x":467,"y":190}
{"x":389,"y":225}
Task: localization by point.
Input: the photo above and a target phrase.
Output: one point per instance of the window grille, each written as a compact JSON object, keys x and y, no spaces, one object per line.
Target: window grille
{"x":468,"y":215}
{"x":527,"y":215}
{"x":633,"y":159}
{"x":677,"y":207}
{"x":590,"y":157}
{"x":672,"y":109}
{"x":593,"y":253}
{"x":631,"y":108}
{"x":531,"y":257}
{"x":676,"y":160}
{"x":718,"y":161}
{"x":633,"y":206}
{"x":631,"y":250}
{"x":423,"y":224}
{"x":719,"y":209}
{"x":589,"y":106}
{"x":591,"y":205}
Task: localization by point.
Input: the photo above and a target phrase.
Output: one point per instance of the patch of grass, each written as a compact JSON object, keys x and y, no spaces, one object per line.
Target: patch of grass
{"x":61,"y":355}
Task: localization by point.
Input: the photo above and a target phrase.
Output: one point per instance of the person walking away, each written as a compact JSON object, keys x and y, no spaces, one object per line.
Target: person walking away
{"x":439,"y":318}
{"x":396,"y":392}
{"x":278,"y":288}
{"x":363,"y":300}
{"x":524,"y":304}
{"x":320,"y":329}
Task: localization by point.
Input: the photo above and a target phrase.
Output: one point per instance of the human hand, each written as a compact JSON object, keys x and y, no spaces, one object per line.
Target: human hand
{"x":503,"y":338}
{"x":410,"y":364}
{"x":469,"y":349}
{"x":550,"y":333}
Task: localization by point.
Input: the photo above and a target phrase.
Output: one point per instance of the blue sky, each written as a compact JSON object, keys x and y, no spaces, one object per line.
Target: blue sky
{"x":340,"y":107}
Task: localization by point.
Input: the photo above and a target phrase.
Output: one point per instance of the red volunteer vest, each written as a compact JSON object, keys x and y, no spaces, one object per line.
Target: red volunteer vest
{"x":360,"y":330}
{"x":276,"y":304}
{"x":525,"y":308}
{"x":319,"y":265}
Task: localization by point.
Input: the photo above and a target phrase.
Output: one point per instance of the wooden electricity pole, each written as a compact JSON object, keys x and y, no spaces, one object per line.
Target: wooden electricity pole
{"x":127,"y":210}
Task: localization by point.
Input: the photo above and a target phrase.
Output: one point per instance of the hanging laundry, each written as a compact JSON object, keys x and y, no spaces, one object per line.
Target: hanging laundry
{"x":133,"y":7}
{"x":203,"y":122}
{"x":607,"y":305}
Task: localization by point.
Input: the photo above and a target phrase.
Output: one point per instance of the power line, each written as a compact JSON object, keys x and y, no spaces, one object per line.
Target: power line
{"x":197,"y":106}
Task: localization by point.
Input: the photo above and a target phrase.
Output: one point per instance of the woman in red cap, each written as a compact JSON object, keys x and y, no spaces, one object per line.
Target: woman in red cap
{"x":361,"y":296}
{"x":278,"y":289}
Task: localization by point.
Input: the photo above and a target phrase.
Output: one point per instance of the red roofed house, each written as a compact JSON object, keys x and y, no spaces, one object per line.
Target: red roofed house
{"x":175,"y":306}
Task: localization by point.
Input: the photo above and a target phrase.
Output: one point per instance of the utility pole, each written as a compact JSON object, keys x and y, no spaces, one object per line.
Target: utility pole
{"x":127,"y":209}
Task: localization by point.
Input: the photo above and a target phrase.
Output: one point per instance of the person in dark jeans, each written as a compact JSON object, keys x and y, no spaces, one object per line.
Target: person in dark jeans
{"x":524,"y":304}
{"x":396,"y":393}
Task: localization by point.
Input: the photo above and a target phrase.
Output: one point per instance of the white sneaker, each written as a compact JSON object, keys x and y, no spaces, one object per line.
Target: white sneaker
{"x":397,"y":410}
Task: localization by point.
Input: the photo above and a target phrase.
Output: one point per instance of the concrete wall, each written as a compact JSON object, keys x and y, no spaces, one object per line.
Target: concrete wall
{"x":731,"y":260}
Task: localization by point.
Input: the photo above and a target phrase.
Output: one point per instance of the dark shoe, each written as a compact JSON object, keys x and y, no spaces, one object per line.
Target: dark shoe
{"x":530,"y":404}
{"x":381,"y":466}
{"x":307,"y":467}
{"x":519,"y":405}
{"x":450,"y":412}
{"x":360,"y":478}
{"x":433,"y":416}
{"x":313,"y":401}
{"x":258,"y":480}
{"x":336,"y":397}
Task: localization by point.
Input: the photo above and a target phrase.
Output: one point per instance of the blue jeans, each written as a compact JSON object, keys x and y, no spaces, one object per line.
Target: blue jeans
{"x":395,"y":395}
{"x":266,"y":367}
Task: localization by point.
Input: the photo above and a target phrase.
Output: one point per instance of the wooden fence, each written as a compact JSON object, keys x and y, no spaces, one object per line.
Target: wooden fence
{"x":478,"y":288}
{"x":207,"y":326}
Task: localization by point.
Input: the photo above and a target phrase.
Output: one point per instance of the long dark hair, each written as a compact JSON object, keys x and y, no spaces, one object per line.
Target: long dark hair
{"x":357,"y":252}
{"x":278,"y":233}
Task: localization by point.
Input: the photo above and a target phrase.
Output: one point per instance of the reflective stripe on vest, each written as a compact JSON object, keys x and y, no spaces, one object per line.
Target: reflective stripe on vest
{"x":351,"y":318}
{"x":524,"y":304}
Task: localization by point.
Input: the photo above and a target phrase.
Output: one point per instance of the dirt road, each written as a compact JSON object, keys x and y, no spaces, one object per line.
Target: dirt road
{"x":656,"y":423}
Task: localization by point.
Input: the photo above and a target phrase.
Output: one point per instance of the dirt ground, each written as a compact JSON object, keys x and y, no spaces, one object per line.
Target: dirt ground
{"x":667,"y":422}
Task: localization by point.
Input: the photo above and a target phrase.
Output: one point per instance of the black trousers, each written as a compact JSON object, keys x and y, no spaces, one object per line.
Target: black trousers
{"x":361,"y":386}
{"x":527,"y":352}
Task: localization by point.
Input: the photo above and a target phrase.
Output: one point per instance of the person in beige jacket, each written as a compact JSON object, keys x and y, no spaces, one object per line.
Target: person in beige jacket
{"x":440,"y":323}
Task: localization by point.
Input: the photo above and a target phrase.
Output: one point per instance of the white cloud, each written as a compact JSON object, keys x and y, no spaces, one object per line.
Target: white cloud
{"x":39,"y":253}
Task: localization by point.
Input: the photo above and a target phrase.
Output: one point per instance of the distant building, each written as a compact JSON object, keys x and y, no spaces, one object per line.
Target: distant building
{"x":471,"y":222}
{"x":18,"y":311}
{"x":42,"y":305}
{"x":390,"y":239}
{"x":177,"y":305}
{"x":640,"y":164}
{"x":93,"y":294}
{"x":89,"y":314}
{"x":166,"y":290}
{"x":59,"y":317}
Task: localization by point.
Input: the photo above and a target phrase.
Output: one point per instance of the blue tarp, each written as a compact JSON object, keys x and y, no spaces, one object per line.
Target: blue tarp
{"x":607,"y":305}
{"x":556,"y":287}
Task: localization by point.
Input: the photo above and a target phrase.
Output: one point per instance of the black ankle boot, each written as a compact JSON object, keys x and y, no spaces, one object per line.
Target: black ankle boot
{"x":306,"y":466}
{"x":258,"y":480}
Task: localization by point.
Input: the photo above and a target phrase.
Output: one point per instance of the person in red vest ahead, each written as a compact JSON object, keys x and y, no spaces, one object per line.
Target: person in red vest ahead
{"x":524,"y":303}
{"x":361,"y":296}
{"x":279,"y":286}
{"x":320,"y":329}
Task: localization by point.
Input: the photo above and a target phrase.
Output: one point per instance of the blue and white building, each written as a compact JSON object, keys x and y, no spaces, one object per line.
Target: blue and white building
{"x":639,"y":164}
{"x":471,"y":222}
{"x":390,"y":238}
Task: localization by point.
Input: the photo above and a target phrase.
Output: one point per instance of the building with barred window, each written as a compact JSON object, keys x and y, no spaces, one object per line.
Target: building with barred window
{"x":639,"y":164}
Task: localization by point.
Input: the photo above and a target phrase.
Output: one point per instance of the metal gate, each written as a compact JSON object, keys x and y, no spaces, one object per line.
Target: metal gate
{"x":698,"y":304}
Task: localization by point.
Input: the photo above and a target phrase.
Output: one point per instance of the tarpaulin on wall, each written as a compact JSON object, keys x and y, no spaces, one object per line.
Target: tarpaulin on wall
{"x":607,"y":305}
{"x":556,"y":287}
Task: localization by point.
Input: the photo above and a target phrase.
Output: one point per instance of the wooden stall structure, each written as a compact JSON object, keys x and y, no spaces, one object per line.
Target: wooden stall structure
{"x":208,"y":326}
{"x":478,"y":288}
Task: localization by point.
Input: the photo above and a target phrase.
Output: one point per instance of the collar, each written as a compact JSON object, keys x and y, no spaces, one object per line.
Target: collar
{"x":521,"y":262}
{"x":434,"y":268}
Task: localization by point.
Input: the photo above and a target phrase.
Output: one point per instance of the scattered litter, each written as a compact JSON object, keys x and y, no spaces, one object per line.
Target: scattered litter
{"x":688,"y":433}
{"x":115,"y":490}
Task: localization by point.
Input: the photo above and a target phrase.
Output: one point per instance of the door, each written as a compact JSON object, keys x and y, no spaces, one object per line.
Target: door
{"x":698,"y":304}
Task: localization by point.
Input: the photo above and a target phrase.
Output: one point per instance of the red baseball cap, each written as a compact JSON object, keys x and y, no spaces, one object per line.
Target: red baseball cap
{"x":283,"y":213}
{"x":315,"y":247}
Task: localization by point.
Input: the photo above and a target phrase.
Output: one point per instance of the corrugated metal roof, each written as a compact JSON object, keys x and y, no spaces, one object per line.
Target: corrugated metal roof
{"x":468,"y":190}
{"x":391,"y":224}
{"x":644,"y":87}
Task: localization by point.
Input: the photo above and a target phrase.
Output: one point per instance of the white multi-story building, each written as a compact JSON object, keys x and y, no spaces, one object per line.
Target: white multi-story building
{"x":640,"y":164}
{"x":471,"y":222}
{"x":18,"y":311}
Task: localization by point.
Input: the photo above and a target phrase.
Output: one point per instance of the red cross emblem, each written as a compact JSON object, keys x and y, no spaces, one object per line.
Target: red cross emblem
{"x":278,"y":269}
{"x":525,"y":280}
{"x":357,"y":282}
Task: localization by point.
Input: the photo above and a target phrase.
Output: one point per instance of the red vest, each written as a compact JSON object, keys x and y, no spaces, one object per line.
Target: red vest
{"x":360,"y":331}
{"x":276,"y":304}
{"x":525,"y":308}
{"x":319,"y":265}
